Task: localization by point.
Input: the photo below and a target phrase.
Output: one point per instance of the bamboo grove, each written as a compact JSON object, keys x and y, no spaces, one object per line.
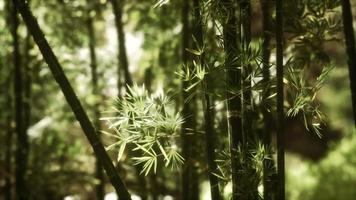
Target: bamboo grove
{"x":205,"y":107}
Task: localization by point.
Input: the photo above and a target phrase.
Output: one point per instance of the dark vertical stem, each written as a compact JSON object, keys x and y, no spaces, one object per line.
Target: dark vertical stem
{"x":350,"y":49}
{"x":189,"y":176}
{"x":233,"y":85}
{"x":268,"y":164}
{"x":8,"y":188}
{"x":118,"y":6}
{"x":210,"y":141}
{"x":245,"y":12}
{"x":27,"y":82}
{"x":186,"y":111}
{"x":71,"y":98}
{"x":99,"y":188}
{"x":142,"y":184}
{"x":195,"y":180}
{"x":8,"y":147}
{"x":207,"y":104}
{"x":280,"y":100}
{"x":154,"y":186}
{"x":148,"y":79}
{"x":22,"y":140}
{"x":252,"y":180}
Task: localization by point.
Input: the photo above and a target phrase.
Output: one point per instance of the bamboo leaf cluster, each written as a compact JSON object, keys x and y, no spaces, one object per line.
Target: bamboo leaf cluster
{"x":147,"y":124}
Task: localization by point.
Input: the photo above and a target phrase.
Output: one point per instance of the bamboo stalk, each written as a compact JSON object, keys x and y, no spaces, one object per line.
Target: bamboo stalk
{"x":245,"y":12}
{"x":22,"y":139}
{"x":100,"y":187}
{"x":8,"y":166}
{"x":187,"y":110}
{"x":280,"y":101}
{"x":268,"y":165}
{"x":207,"y":105}
{"x":117,"y":6}
{"x":350,"y":50}
{"x":252,"y":180}
{"x":232,"y":35}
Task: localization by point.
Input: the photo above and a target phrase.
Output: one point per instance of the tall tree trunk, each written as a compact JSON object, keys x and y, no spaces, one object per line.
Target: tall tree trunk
{"x":207,"y":104}
{"x":280,"y":101}
{"x":233,"y":85}
{"x":148,"y":79}
{"x":8,"y":166}
{"x":22,"y":140}
{"x":268,"y":165}
{"x":71,"y":98}
{"x":245,"y":13}
{"x":189,"y":176}
{"x":154,"y":189}
{"x":117,"y":6}
{"x":186,"y":112}
{"x":99,"y":188}
{"x":27,"y":82}
{"x":252,"y":180}
{"x":8,"y":141}
{"x":350,"y":49}
{"x":8,"y":153}
{"x":151,"y":179}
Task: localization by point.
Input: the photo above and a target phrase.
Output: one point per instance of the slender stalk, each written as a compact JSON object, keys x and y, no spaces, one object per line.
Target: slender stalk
{"x":99,"y":188}
{"x":245,"y":12}
{"x":8,"y":187}
{"x":27,"y":83}
{"x":9,"y":141}
{"x":233,"y":85}
{"x":207,"y":104}
{"x":268,"y":164}
{"x":8,"y":157}
{"x":154,"y":186}
{"x":350,"y":49}
{"x":187,"y":111}
{"x":71,"y":98}
{"x":22,"y":140}
{"x":280,"y":100}
{"x":252,"y":180}
{"x":117,"y":6}
{"x":148,"y":79}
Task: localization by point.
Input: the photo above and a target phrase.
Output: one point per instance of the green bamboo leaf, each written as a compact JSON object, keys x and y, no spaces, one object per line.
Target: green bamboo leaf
{"x":191,"y":86}
{"x":162,"y":150}
{"x":110,"y":147}
{"x":109,"y":134}
{"x":195,"y":52}
{"x":160,"y":3}
{"x":272,"y":96}
{"x":121,"y":150}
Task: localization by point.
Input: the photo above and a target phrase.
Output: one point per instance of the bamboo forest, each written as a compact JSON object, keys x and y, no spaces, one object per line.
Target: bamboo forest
{"x":177,"y":100}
